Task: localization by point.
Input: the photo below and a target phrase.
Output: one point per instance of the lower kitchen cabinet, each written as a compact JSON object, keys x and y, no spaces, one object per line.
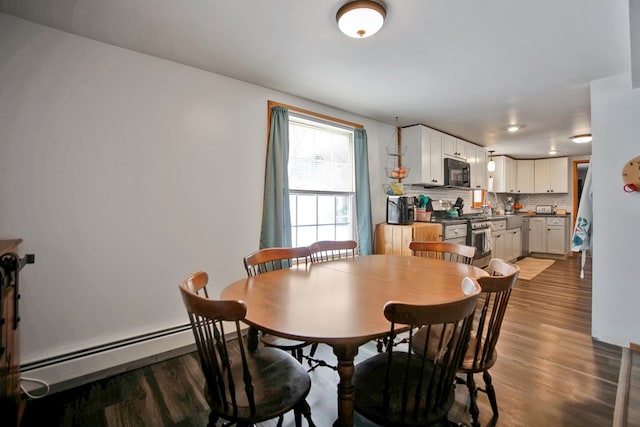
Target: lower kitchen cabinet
{"x":507,"y":244}
{"x":549,"y":235}
{"x":394,"y":239}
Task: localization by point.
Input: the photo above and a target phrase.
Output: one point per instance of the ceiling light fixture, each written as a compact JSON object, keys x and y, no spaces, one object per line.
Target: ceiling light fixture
{"x":491,"y":165}
{"x":581,"y":139}
{"x":360,"y":19}
{"x":513,"y":128}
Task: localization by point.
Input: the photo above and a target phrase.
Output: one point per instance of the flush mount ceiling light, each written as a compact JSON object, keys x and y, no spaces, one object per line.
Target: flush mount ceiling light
{"x":360,"y":19}
{"x":581,"y":139}
{"x":491,"y":165}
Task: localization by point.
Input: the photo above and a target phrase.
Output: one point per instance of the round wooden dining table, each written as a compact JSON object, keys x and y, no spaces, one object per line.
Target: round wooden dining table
{"x":340,"y":303}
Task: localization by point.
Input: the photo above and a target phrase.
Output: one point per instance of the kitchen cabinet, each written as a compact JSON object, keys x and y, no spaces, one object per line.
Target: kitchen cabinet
{"x":394,"y":239}
{"x":477,"y":159}
{"x":454,"y":147}
{"x":549,"y":235}
{"x":505,"y":243}
{"x":525,"y":176}
{"x":551,"y":175}
{"x":424,"y":150}
{"x":505,"y":176}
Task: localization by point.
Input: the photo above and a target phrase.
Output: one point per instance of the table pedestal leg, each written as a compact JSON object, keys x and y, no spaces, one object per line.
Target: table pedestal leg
{"x":345,"y":354}
{"x":252,"y":338}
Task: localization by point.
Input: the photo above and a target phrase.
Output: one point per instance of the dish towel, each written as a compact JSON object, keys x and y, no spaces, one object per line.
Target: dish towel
{"x":487,"y":240}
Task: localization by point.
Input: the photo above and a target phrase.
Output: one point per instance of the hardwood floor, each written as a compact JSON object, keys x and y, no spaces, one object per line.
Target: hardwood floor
{"x":549,"y":373}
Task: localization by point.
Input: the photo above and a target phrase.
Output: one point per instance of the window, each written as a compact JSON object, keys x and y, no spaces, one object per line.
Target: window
{"x":321,"y":181}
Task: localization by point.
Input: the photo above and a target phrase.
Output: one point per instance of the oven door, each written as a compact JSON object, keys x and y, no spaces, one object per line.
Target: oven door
{"x":480,"y":239}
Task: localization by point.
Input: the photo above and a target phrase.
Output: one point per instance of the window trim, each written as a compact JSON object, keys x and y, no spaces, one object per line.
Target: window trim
{"x":271,"y":104}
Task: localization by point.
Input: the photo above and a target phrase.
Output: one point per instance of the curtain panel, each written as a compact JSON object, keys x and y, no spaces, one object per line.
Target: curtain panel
{"x":276,"y":216}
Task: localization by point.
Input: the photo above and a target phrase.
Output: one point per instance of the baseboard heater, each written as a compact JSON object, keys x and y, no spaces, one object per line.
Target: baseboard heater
{"x":79,"y":367}
{"x":103,"y":347}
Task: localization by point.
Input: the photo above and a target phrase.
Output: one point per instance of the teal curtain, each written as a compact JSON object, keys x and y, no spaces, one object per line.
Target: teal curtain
{"x":276,"y":216}
{"x":363,"y":193}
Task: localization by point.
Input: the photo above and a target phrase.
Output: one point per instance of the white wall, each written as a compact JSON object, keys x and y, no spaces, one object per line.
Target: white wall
{"x":123,"y":173}
{"x":615,"y":120}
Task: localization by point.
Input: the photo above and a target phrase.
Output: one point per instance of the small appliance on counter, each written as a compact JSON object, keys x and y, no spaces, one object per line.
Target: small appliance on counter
{"x":509,"y":204}
{"x":544,"y":209}
{"x":400,"y":209}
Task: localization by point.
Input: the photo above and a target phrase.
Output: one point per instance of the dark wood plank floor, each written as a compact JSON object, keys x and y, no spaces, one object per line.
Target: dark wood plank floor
{"x":549,"y":373}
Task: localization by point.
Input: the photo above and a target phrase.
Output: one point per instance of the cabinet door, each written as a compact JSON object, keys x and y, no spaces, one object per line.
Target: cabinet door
{"x":462,"y":148}
{"x":511,"y":174}
{"x":477,"y":158}
{"x":559,"y":175}
{"x":499,"y":175}
{"x":424,"y":154}
{"x":454,"y":147}
{"x":393,"y":239}
{"x":555,"y":240}
{"x":500,"y":246}
{"x":436,"y":175}
{"x":541,"y":173}
{"x":449,"y":146}
{"x":425,"y":232}
{"x":538,"y":235}
{"x":505,"y":176}
{"x":525,"y":176}
{"x":515,"y":244}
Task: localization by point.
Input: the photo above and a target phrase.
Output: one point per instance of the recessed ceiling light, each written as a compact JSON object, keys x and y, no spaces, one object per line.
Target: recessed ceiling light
{"x":552,"y":152}
{"x":581,"y":139}
{"x":513,"y":128}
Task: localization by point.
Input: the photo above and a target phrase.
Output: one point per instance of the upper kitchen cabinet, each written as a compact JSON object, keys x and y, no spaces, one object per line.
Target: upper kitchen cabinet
{"x":424,"y":150}
{"x":505,"y":177}
{"x":477,"y":159}
{"x":551,"y":175}
{"x":454,"y":147}
{"x":525,"y":176}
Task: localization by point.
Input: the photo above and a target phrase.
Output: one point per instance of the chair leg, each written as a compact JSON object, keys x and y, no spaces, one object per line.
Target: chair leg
{"x":314,"y":348}
{"x":213,"y":419}
{"x":297,"y":415}
{"x":306,"y":411}
{"x":491,"y":392}
{"x":473,"y":404}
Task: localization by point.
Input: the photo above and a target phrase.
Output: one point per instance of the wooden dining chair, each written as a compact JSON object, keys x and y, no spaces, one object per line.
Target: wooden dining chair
{"x":447,"y":251}
{"x":331,"y":250}
{"x":325,"y":251}
{"x":481,"y":354}
{"x":271,"y":259}
{"x":241,"y":386}
{"x":404,"y":388}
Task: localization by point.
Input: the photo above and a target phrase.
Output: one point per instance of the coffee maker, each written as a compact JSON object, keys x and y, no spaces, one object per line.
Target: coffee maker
{"x":508,"y":208}
{"x":400,"y":209}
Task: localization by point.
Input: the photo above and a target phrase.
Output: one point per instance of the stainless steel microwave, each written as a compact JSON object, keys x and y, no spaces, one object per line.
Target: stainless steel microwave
{"x":457,"y":173}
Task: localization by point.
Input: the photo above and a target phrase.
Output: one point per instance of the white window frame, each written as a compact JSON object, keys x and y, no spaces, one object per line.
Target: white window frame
{"x":295,"y":194}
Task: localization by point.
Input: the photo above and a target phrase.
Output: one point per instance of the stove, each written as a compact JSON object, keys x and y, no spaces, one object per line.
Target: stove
{"x":479,"y":236}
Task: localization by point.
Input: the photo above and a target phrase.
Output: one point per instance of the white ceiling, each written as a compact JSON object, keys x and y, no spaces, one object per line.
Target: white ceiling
{"x":465,"y":67}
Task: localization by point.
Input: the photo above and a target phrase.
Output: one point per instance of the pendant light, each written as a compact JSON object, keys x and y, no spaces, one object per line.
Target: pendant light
{"x":491,"y":165}
{"x":360,"y":19}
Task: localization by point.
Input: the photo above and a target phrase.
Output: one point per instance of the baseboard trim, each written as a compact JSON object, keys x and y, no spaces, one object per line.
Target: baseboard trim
{"x":69,"y":372}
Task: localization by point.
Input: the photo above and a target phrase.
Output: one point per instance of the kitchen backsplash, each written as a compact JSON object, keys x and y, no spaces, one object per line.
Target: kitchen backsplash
{"x":528,"y":201}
